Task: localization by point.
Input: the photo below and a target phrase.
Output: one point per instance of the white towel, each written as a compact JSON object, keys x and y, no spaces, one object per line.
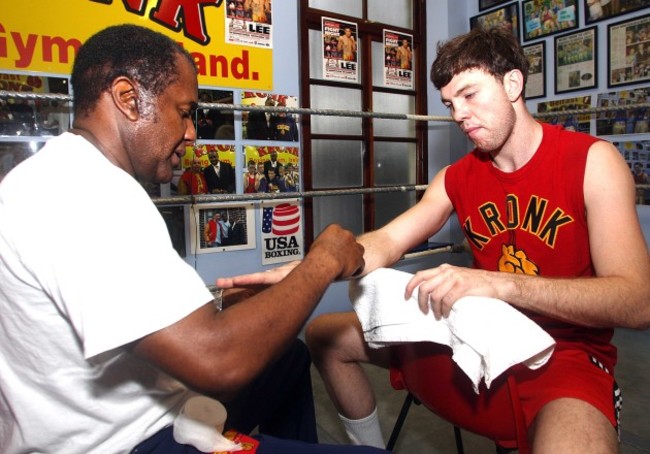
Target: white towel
{"x":487,"y":335}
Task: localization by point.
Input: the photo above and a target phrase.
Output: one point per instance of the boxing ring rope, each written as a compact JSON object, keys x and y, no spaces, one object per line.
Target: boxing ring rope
{"x":212,"y":198}
{"x":335,"y":112}
{"x":198,"y":199}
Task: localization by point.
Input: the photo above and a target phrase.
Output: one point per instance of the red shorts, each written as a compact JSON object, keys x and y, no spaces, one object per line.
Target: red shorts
{"x":569,"y":373}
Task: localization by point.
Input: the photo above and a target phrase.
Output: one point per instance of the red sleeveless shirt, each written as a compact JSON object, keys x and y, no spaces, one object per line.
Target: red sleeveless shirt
{"x":532,"y":221}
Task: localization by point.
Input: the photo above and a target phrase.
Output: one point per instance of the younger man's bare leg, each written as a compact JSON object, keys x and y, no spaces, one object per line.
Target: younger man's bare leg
{"x":338,"y":349}
{"x":572,"y":425}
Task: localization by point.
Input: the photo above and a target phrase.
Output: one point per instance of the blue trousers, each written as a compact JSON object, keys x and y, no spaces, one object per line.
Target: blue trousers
{"x":279,"y":401}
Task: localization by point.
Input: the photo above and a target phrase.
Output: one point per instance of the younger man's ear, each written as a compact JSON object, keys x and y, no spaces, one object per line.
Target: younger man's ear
{"x":513,"y":82}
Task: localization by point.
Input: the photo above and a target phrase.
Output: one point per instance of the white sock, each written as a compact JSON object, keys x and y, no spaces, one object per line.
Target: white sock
{"x":365,"y":431}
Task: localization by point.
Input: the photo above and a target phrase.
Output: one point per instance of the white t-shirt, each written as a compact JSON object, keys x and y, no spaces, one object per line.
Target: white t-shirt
{"x":86,"y":266}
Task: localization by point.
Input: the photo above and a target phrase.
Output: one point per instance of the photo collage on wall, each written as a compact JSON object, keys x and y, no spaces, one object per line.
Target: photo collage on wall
{"x":624,"y":121}
{"x":271,"y":169}
{"x":277,"y":126}
{"x":210,"y":166}
{"x":629,"y":50}
{"x":637,"y":155}
{"x":552,"y":111}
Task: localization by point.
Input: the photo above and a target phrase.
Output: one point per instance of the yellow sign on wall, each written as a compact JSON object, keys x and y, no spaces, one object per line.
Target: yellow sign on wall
{"x":42,"y":36}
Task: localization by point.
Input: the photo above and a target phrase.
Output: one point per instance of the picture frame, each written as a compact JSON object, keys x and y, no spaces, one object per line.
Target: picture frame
{"x":257,"y":126}
{"x":258,"y":159}
{"x":637,"y":156}
{"x":174,"y":216}
{"x":506,"y":17}
{"x":541,"y":18}
{"x":576,"y":61}
{"x":628,"y":52}
{"x":554,"y":112}
{"x":536,"y":81}
{"x":626,"y":120}
{"x":595,"y":12}
{"x":487,"y":4}
{"x":213,"y":124}
{"x":241,"y":233}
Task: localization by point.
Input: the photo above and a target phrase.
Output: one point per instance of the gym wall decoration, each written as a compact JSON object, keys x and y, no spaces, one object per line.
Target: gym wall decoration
{"x":506,"y":17}
{"x":575,"y":61}
{"x":536,"y":81}
{"x":547,"y":17}
{"x":222,"y":227}
{"x":597,"y":10}
{"x":628,"y":50}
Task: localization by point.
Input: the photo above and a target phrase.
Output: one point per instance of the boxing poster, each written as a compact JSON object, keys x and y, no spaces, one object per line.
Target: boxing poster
{"x":231,"y":46}
{"x":398,"y":60}
{"x":249,"y":22}
{"x":627,"y":120}
{"x":340,"y":53}
{"x":572,"y":122}
{"x":282,"y":239}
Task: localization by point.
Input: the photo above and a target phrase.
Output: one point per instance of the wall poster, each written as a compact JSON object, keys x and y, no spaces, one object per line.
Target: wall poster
{"x":282,"y":239}
{"x":597,"y":10}
{"x":230,"y":46}
{"x":580,"y":122}
{"x":222,"y":227}
{"x":261,"y":125}
{"x":637,"y":155}
{"x":249,"y":23}
{"x":575,"y":61}
{"x":271,"y":169}
{"x":627,"y":120}
{"x":398,"y":60}
{"x":628,"y":46}
{"x":546,"y":17}
{"x":536,"y":81}
{"x":506,"y":18}
{"x":194,"y":175}
{"x":340,"y":53}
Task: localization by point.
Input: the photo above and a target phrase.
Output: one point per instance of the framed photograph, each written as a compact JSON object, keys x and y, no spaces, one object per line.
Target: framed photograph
{"x":506,"y":17}
{"x":222,"y":227}
{"x":597,"y":10}
{"x":213,"y":124}
{"x":547,"y":17}
{"x":487,"y":4}
{"x":637,"y":156}
{"x":260,"y":125}
{"x":628,"y":50}
{"x":174,"y":216}
{"x":283,"y":163}
{"x":536,"y":83}
{"x":553,"y":112}
{"x":627,"y":120}
{"x":575,"y":61}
